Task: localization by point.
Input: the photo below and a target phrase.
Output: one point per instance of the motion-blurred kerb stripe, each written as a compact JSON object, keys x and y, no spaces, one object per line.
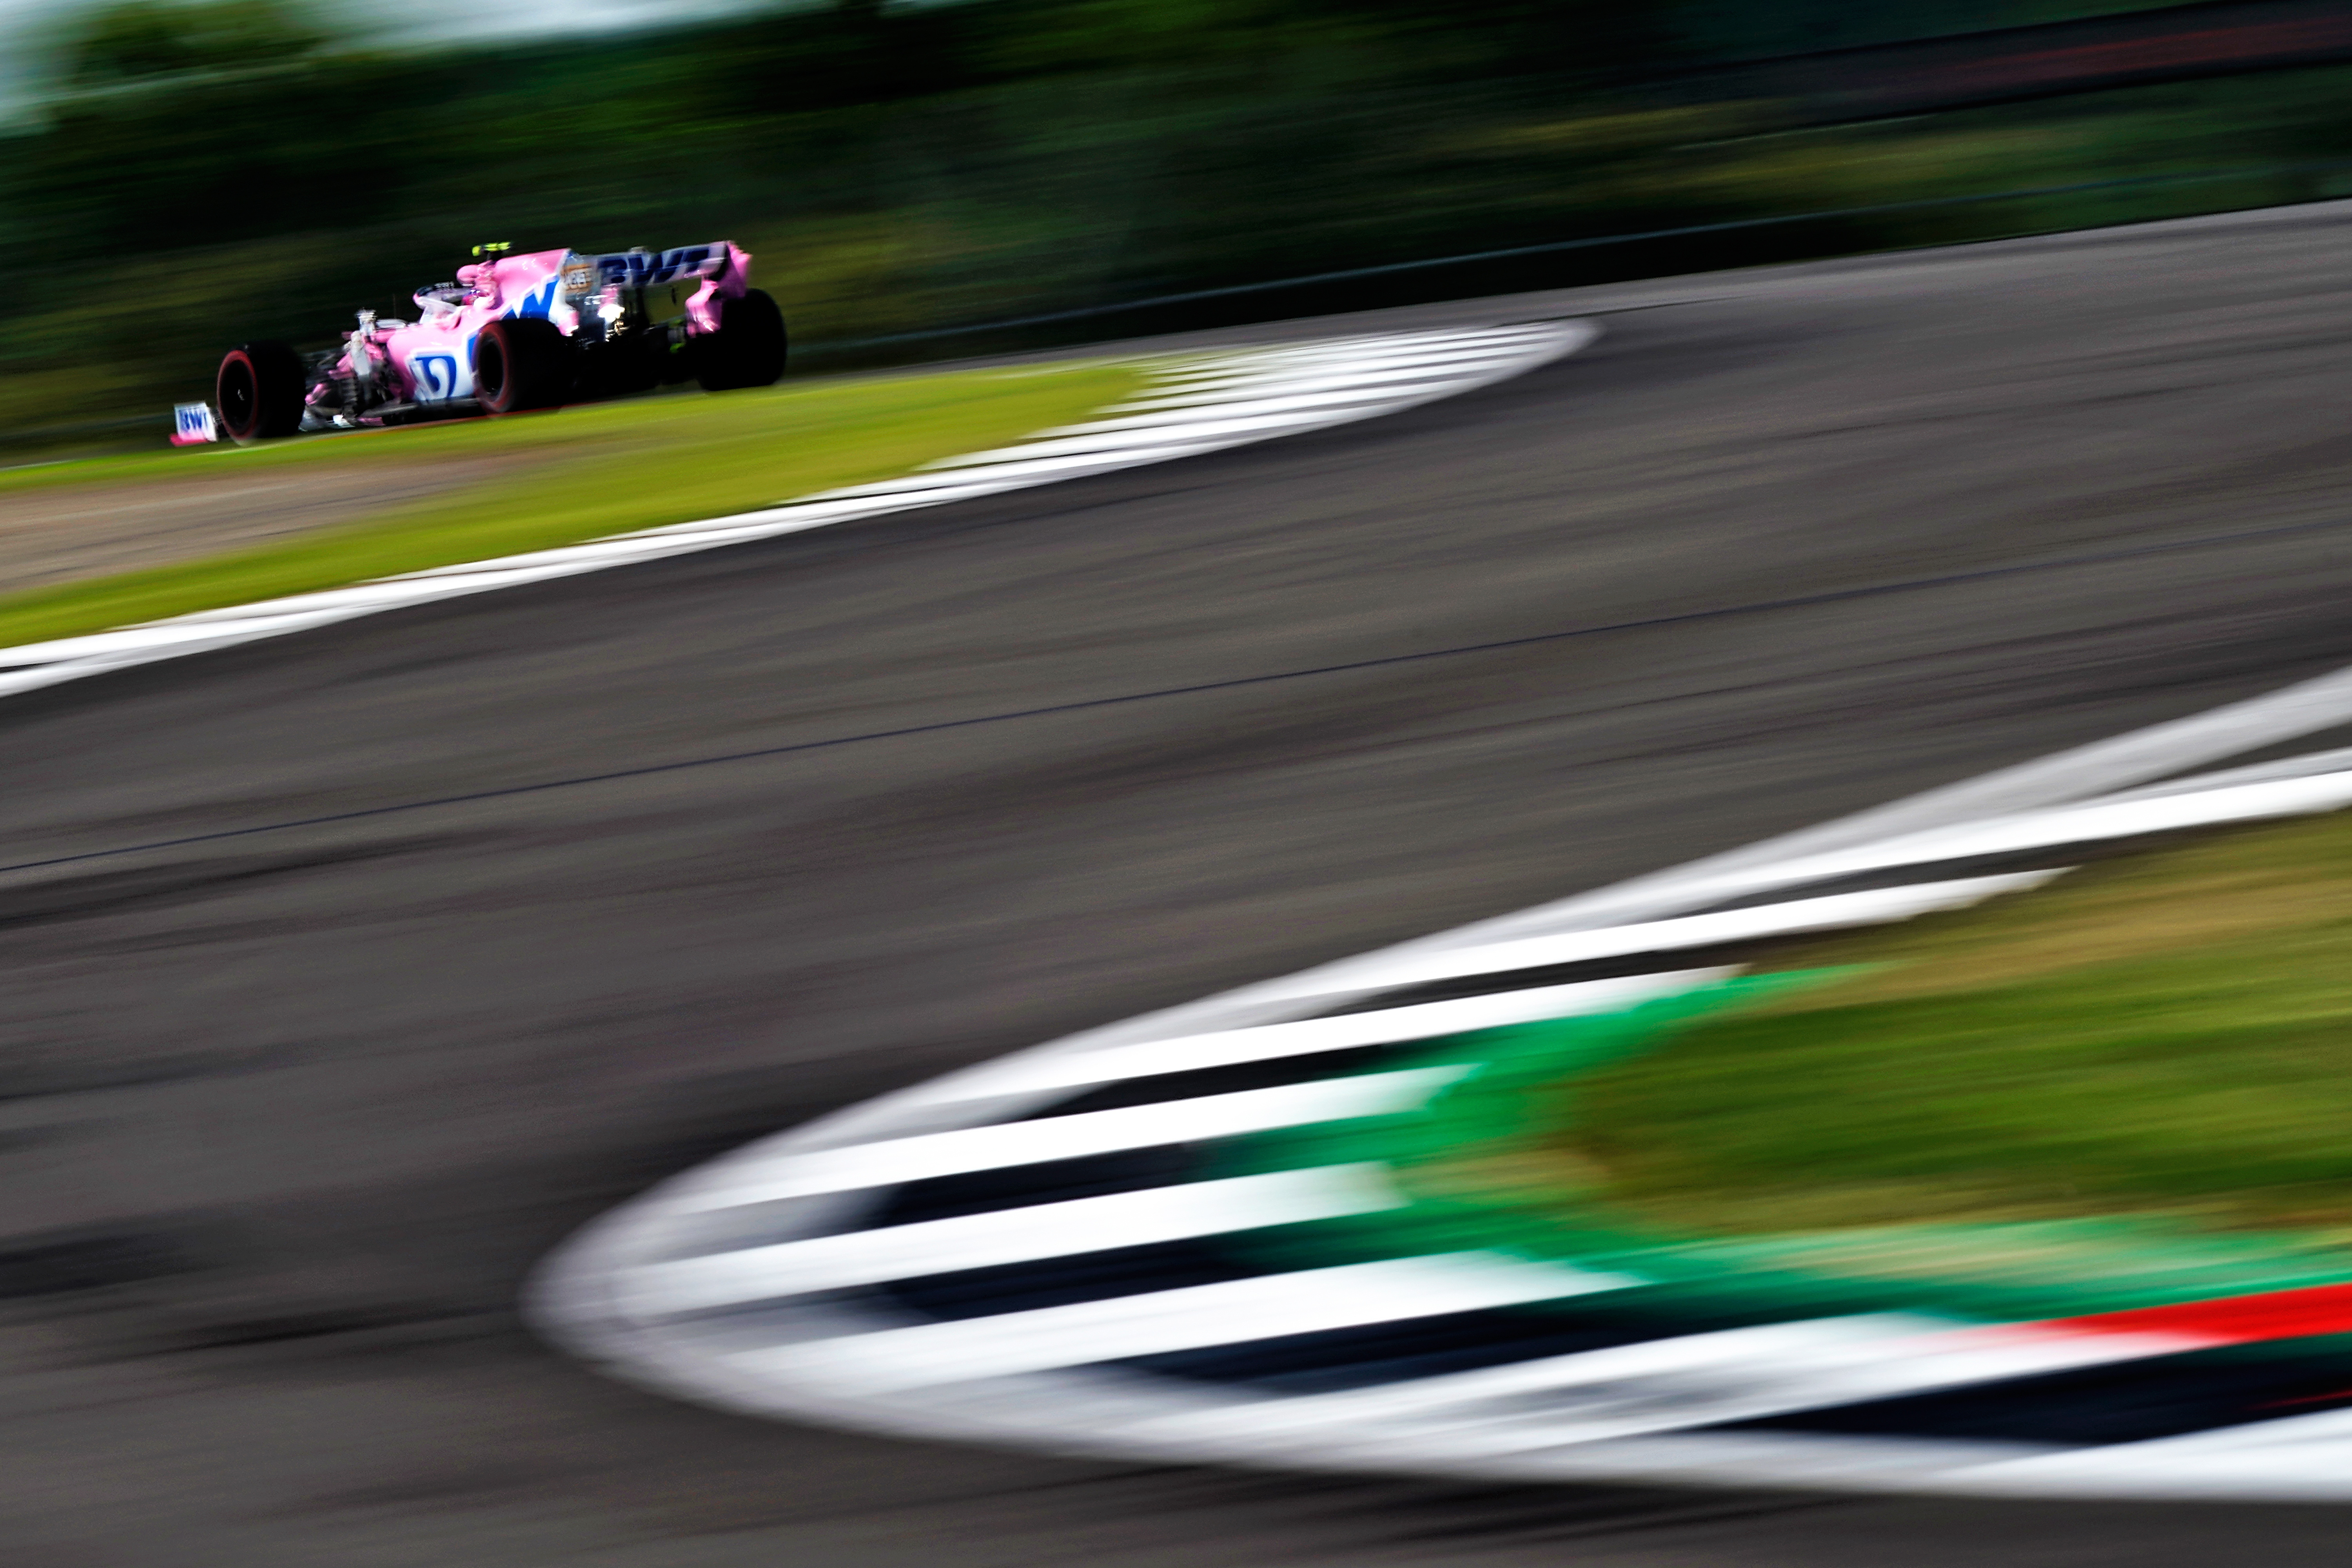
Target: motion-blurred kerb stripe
{"x":1194,"y":404}
{"x":1054,"y":1248}
{"x":788,"y":1279}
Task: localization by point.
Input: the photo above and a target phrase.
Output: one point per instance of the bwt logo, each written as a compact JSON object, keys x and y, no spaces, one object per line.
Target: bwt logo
{"x":634,"y":270}
{"x":436,"y":376}
{"x":535,"y":304}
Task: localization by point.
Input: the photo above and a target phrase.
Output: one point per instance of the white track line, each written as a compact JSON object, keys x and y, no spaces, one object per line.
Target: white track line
{"x":1289,"y":391}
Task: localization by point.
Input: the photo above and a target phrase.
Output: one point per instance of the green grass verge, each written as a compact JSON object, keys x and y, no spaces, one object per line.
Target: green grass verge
{"x":580,"y":474}
{"x":2167,"y":1038}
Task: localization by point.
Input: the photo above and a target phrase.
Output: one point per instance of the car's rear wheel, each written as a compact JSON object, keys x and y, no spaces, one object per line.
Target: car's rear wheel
{"x":259,"y":391}
{"x":525,"y":363}
{"x":749,"y":348}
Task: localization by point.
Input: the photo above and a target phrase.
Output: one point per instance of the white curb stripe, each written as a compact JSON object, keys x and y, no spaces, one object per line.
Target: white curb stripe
{"x":1006,"y":1236}
{"x":2085,"y":823}
{"x":2297,"y":1458}
{"x":994,"y":1147}
{"x":1656,"y":1385}
{"x":2074,"y":774}
{"x":1160,"y":1322}
{"x":1306,"y":1037}
{"x":1228,"y":407}
{"x":2335,"y":761}
{"x":1876,"y":907}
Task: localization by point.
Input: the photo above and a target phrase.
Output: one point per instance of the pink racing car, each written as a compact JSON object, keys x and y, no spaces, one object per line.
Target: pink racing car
{"x":514,"y":332}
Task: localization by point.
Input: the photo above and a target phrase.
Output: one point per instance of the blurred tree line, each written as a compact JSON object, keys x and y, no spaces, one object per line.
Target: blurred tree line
{"x":207,"y":172}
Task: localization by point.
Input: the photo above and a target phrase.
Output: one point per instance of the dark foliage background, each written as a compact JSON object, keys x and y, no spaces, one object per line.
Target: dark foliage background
{"x":213,"y":171}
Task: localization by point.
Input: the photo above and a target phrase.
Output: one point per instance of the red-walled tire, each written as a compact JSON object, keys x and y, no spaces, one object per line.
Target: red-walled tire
{"x":524,"y":363}
{"x":748,"y":349}
{"x":259,"y":391}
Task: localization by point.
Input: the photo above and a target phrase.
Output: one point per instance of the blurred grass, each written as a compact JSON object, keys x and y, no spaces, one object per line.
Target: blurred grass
{"x":578,"y":474}
{"x":2170,"y":1036}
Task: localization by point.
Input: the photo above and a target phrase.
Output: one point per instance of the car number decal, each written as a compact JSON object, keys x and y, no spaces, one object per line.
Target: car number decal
{"x":436,"y":376}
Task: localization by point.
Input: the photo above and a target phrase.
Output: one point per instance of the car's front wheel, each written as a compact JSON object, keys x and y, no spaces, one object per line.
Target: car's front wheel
{"x":524,"y":363}
{"x":259,"y":391}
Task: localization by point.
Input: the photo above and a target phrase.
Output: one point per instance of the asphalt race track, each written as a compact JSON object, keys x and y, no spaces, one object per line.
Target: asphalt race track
{"x":287,"y":1116}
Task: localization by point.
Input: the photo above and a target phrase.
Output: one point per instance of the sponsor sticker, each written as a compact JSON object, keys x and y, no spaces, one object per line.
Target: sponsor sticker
{"x":193,"y":425}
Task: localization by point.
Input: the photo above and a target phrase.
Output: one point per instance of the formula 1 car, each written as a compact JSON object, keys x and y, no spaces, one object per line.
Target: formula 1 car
{"x":513,"y":332}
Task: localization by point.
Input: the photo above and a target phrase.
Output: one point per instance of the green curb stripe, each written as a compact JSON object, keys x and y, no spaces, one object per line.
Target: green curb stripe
{"x":1463,"y":1161}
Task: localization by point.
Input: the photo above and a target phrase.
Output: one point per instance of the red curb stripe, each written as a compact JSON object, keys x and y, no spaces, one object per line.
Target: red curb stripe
{"x":2229,"y":1320}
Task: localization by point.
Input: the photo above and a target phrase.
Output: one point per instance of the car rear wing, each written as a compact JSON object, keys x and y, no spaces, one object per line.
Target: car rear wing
{"x":587,"y":276}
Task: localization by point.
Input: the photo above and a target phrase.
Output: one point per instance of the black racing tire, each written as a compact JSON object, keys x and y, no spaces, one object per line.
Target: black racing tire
{"x":260,"y":392}
{"x":523,"y":363}
{"x":749,"y":348}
